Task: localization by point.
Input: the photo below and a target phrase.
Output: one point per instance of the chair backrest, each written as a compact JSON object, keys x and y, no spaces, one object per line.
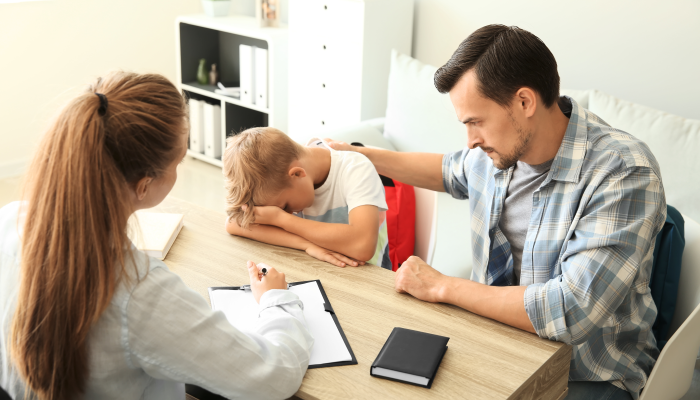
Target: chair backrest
{"x":666,"y":272}
{"x":426,"y":224}
{"x":440,"y":218}
{"x":673,"y":372}
{"x":4,"y":395}
{"x":689,"y":284}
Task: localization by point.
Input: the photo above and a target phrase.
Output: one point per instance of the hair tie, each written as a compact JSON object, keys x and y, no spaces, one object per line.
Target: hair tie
{"x":103,"y":104}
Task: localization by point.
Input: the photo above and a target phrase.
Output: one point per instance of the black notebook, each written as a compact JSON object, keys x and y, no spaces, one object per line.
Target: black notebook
{"x":410,"y":356}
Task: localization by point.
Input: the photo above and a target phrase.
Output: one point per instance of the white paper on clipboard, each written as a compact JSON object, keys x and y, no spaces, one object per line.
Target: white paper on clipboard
{"x":241,"y":311}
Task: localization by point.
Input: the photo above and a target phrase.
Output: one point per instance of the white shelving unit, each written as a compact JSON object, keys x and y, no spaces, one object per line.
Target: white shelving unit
{"x":217,"y":40}
{"x":339,"y":56}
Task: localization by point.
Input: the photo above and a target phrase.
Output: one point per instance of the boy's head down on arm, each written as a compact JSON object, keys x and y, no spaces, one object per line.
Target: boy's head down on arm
{"x":262,"y":168}
{"x":337,"y":195}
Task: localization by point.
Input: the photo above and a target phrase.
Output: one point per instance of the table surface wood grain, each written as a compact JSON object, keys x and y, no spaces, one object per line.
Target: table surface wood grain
{"x":485,"y":359}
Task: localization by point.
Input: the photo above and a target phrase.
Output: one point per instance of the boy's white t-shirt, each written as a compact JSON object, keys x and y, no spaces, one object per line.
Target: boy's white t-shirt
{"x":352,"y":182}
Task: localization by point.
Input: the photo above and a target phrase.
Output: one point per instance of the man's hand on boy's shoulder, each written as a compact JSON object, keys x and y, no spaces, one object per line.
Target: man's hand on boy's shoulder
{"x":340,"y":146}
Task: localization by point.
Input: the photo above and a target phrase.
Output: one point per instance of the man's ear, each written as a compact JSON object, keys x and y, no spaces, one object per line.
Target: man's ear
{"x":526,"y":101}
{"x":142,"y":186}
{"x":297,"y":172}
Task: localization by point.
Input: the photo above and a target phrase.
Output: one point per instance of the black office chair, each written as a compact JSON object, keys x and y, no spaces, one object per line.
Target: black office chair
{"x":197,"y":393}
{"x":193,"y":392}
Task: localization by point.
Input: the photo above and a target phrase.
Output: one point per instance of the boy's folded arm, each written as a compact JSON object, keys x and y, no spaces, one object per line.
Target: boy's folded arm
{"x":268,"y":234}
{"x":357,"y":239}
{"x":279,"y":237}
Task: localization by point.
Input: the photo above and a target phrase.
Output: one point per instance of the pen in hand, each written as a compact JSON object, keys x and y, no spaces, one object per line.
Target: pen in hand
{"x":266,"y":277}
{"x":262,"y":273}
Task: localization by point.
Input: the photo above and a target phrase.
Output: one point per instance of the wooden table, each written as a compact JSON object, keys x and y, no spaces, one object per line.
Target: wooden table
{"x":485,"y":359}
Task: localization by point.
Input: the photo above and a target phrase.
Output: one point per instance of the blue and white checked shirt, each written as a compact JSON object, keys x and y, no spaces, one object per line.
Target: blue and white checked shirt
{"x":588,"y":251}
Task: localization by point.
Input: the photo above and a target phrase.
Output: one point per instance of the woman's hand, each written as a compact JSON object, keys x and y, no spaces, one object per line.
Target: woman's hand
{"x":330,"y":256}
{"x":259,"y":283}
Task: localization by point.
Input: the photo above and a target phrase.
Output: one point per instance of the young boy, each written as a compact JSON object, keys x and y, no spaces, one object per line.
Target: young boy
{"x":328,"y":203}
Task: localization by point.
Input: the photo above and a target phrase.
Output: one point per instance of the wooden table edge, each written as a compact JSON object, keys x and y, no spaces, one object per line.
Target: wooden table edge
{"x":563,"y":356}
{"x":563,"y":395}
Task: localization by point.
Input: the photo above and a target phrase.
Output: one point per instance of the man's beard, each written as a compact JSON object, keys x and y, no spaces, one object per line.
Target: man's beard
{"x":521,"y":147}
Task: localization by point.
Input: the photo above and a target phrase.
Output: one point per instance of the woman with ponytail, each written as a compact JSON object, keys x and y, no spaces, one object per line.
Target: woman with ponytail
{"x":83,"y":314}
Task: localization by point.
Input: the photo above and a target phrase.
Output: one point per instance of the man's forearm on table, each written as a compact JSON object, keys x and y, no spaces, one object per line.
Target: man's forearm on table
{"x":416,"y":169}
{"x":501,"y":303}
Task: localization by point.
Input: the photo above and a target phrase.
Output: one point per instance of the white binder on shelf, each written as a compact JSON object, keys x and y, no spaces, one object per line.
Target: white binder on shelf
{"x":196,"y":126}
{"x":260,"y":77}
{"x":212,"y":130}
{"x":246,"y":68}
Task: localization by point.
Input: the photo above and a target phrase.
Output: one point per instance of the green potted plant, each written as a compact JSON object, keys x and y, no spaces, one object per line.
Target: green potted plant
{"x":216,"y":8}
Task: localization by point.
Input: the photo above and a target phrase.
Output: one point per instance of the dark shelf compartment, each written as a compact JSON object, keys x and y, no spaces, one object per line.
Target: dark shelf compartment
{"x":214,"y":46}
{"x":240,"y":118}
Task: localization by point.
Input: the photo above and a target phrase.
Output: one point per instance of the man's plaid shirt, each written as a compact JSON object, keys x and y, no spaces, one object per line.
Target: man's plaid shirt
{"x":588,"y":251}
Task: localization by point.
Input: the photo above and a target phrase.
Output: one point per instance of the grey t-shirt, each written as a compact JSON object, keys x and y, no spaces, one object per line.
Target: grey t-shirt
{"x":517,"y":207}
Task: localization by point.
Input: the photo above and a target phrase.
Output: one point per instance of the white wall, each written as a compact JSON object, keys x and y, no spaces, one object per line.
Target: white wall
{"x":51,"y":50}
{"x":643,"y":51}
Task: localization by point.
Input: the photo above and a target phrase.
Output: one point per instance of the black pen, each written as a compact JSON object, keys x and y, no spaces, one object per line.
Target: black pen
{"x":248,"y":289}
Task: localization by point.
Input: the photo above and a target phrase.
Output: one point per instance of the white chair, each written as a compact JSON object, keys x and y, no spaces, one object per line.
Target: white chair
{"x":673,"y":372}
{"x":426,"y":224}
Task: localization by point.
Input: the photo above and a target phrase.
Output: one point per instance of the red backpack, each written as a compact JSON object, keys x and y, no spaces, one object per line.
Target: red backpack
{"x":400,"y":220}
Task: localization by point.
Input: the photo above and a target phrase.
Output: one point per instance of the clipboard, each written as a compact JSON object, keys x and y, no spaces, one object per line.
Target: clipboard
{"x":328,"y":307}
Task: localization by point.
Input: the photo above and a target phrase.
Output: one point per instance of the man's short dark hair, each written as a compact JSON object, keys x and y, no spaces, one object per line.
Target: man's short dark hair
{"x":505,"y":59}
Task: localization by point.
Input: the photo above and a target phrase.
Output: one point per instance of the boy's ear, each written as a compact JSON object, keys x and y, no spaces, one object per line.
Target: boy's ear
{"x":297,"y":172}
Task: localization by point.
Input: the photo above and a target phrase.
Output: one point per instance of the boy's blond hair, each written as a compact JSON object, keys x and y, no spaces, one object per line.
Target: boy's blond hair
{"x":256,"y":162}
